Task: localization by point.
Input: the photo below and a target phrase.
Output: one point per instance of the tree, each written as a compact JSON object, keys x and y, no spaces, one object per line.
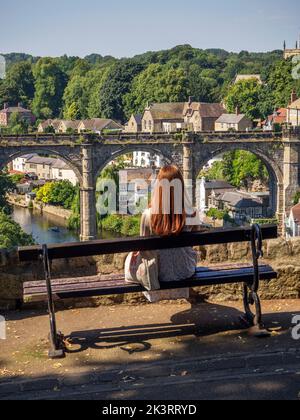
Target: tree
{"x":202,"y":87}
{"x":280,"y":83}
{"x":245,"y":95}
{"x":18,"y":86}
{"x":11,"y":234}
{"x":60,"y":193}
{"x":240,"y":168}
{"x":115,"y":87}
{"x":158,"y":83}
{"x":50,"y":83}
{"x":6,"y":186}
{"x":63,"y":194}
{"x":17,"y":124}
{"x":72,"y":112}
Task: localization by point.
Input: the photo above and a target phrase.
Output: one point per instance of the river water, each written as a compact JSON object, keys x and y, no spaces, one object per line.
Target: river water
{"x":43,"y":227}
{"x":48,"y":229}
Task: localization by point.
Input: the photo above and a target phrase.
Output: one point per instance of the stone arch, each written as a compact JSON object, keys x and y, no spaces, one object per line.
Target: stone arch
{"x":275,"y":172}
{"x":42,"y":151}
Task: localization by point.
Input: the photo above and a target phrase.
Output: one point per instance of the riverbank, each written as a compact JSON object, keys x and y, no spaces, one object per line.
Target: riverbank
{"x":20,"y":201}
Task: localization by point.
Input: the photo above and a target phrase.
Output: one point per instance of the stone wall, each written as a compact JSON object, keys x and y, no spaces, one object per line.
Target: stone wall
{"x":281,"y":255}
{"x":53,"y":210}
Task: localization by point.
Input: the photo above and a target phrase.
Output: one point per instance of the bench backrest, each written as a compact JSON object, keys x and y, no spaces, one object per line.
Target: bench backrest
{"x":105,"y":247}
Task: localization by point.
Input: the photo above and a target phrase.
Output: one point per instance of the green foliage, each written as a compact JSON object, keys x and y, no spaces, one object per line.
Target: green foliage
{"x":17,"y":124}
{"x":98,"y":86}
{"x":74,"y":220}
{"x":215,"y":172}
{"x":11,"y":234}
{"x":16,"y":178}
{"x":61,"y":193}
{"x":50,"y":83}
{"x":158,"y":83}
{"x":265,"y":221}
{"x":116,"y":86}
{"x":245,"y":95}
{"x":18,"y":86}
{"x":6,"y":185}
{"x":216,"y":214}
{"x":122,"y":225}
{"x":297,"y":198}
{"x":240,"y":168}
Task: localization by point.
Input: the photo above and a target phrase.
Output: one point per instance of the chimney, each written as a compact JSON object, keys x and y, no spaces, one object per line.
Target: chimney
{"x":20,"y":105}
{"x":237,"y":110}
{"x":5,"y":106}
{"x":190,"y":100}
{"x":293,"y":96}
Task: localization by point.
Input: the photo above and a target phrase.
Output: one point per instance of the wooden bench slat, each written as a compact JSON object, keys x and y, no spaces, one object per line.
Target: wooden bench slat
{"x":86,"y":249}
{"x":114,"y":277}
{"x":88,"y":288}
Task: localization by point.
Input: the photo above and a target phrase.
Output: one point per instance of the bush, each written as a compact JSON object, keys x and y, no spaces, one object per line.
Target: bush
{"x":122,"y":225}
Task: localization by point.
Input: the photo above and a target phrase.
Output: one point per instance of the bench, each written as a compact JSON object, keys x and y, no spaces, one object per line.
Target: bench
{"x":53,"y":289}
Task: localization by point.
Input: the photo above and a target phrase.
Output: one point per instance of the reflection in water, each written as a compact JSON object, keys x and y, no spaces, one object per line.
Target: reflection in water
{"x":40,"y":226}
{"x":43,"y":227}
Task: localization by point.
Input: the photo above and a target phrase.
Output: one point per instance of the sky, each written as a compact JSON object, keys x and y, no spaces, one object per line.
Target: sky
{"x":124,"y":28}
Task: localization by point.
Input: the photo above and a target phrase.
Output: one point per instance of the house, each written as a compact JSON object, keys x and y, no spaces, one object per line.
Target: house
{"x":164,"y":117}
{"x":279,"y":117}
{"x":40,"y":166}
{"x":233,"y":122}
{"x":8,"y":111}
{"x":18,"y":164}
{"x":66,"y":126}
{"x":241,"y":206}
{"x":293,"y":111}
{"x":201,"y":116}
{"x":98,"y":125}
{"x":50,"y":169}
{"x":62,"y":172}
{"x":48,"y":125}
{"x":243,"y":77}
{"x":206,"y":188}
{"x":134,"y":125}
{"x":293,"y":222}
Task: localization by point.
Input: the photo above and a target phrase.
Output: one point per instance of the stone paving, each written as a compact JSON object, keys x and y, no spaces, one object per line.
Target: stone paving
{"x":140,"y":351}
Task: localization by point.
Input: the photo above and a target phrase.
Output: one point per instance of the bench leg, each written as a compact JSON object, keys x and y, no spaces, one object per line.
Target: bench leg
{"x":254,"y":321}
{"x":250,"y":299}
{"x":57,"y":347}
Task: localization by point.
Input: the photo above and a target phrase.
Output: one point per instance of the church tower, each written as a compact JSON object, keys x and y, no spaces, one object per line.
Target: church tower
{"x":288,"y":53}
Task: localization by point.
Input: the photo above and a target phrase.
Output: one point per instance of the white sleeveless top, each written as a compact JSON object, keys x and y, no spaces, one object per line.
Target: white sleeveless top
{"x":174,"y":264}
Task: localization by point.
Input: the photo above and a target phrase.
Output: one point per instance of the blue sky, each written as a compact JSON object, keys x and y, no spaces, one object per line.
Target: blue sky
{"x":125,"y":28}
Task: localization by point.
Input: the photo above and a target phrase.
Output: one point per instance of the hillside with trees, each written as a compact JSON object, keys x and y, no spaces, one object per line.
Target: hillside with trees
{"x":96,"y":86}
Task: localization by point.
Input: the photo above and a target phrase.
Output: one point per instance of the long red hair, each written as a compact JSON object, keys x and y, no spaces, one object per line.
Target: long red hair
{"x":168,"y":223}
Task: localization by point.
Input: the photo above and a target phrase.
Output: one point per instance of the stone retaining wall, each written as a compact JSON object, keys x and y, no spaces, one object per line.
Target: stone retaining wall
{"x":281,"y":255}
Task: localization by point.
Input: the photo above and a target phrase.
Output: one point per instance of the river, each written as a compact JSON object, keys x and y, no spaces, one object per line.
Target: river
{"x":48,"y":229}
{"x":43,"y":227}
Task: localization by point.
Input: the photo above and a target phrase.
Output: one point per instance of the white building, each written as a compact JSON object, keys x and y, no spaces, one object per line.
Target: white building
{"x":18,"y":164}
{"x":146,"y":160}
{"x":45,"y":168}
{"x":61,"y":172}
{"x":293,"y":222}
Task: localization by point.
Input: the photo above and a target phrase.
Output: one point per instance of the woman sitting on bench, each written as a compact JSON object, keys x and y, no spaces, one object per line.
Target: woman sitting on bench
{"x":171,"y":214}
